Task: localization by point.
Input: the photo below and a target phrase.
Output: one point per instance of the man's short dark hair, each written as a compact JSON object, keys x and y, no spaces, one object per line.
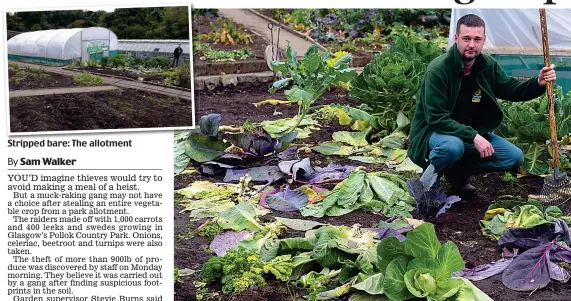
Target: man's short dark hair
{"x":470,"y":20}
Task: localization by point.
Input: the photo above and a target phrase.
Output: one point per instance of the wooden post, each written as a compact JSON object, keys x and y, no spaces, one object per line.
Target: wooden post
{"x":552,"y":123}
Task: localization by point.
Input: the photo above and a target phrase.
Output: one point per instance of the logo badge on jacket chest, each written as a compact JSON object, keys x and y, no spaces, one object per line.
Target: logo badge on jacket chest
{"x":477,"y":97}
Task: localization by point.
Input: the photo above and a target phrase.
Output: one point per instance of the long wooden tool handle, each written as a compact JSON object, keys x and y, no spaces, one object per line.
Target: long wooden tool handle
{"x":552,"y":124}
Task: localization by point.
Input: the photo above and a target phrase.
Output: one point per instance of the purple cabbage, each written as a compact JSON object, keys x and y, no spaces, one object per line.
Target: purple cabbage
{"x":260,"y":146}
{"x":287,"y":200}
{"x":209,"y":124}
{"x":330,"y":19}
{"x":484,"y":271}
{"x":333,"y":171}
{"x":430,"y":202}
{"x":226,"y":241}
{"x":528,"y":238}
{"x":534,"y":269}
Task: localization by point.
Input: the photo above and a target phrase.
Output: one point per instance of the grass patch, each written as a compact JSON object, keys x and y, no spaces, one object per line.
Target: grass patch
{"x":86,"y":79}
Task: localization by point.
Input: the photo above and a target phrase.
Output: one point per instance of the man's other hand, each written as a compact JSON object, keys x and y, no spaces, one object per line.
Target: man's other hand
{"x":483,"y":146}
{"x":546,"y":74}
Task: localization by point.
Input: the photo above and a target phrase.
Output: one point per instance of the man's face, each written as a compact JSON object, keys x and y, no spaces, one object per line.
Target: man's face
{"x":470,"y":41}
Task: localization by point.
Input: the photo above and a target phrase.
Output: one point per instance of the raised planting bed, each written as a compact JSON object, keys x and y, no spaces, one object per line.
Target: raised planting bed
{"x":25,"y":78}
{"x":202,"y":68}
{"x":246,"y":45}
{"x":118,"y":109}
{"x":360,"y":32}
{"x":236,"y":103}
{"x":166,"y":78}
{"x":460,"y":224}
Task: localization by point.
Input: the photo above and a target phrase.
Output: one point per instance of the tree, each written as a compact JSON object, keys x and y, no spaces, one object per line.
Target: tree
{"x":126,"y":23}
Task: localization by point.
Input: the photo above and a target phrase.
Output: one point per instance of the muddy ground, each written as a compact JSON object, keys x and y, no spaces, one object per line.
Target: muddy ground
{"x":116,"y":109}
{"x":27,"y":79}
{"x":460,"y":224}
{"x":235,"y":103}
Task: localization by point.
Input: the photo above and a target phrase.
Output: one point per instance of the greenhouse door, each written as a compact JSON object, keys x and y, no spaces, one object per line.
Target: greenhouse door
{"x":94,"y":50}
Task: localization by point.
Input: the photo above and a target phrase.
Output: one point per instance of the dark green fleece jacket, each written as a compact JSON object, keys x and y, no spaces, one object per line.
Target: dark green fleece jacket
{"x":439,"y":92}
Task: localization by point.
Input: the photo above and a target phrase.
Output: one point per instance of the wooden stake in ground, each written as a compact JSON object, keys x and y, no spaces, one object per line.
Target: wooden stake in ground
{"x":555,"y":190}
{"x":552,"y":124}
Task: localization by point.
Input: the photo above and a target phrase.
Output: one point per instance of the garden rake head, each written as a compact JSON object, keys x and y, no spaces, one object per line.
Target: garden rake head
{"x":556,"y":188}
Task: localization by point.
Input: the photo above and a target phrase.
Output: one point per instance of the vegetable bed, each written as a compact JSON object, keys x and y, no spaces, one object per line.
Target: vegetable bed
{"x":325,"y":205}
{"x":21,"y":78}
{"x":460,"y":224}
{"x":246,"y":46}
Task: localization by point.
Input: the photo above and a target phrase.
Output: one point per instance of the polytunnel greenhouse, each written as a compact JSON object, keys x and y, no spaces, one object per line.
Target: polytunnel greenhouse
{"x":150,"y":48}
{"x":63,"y":46}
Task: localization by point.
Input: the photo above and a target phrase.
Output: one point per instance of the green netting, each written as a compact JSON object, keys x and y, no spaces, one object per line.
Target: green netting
{"x":529,"y":65}
{"x":39,"y":60}
{"x":113,"y":53}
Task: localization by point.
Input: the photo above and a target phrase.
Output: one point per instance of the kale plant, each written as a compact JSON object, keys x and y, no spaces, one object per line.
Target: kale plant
{"x":311,"y":77}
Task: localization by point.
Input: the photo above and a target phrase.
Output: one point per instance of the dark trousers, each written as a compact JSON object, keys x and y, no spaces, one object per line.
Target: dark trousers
{"x":175,"y":61}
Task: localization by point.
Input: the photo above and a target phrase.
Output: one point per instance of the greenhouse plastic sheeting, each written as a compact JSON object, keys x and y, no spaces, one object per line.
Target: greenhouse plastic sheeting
{"x":163,"y":46}
{"x":519,"y":30}
{"x":59,"y":44}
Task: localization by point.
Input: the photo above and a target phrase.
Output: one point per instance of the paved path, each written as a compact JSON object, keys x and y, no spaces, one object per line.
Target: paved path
{"x":38,"y":92}
{"x":121,"y":83}
{"x":260,"y":25}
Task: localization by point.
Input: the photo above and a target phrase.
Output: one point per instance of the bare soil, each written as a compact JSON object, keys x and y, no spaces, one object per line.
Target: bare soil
{"x":27,"y":79}
{"x":460,"y":224}
{"x":117,"y":109}
{"x":235,"y":103}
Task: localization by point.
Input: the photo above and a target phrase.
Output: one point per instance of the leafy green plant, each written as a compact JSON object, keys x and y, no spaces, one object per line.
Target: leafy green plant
{"x":121,"y":60}
{"x":104,"y":61}
{"x":207,"y":143}
{"x":422,"y":267}
{"x":311,"y":77}
{"x":388,"y":84}
{"x":183,"y":75}
{"x":180,"y":76}
{"x":228,"y":33}
{"x":87,"y":79}
{"x":508,"y":177}
{"x":207,"y":12}
{"x":209,"y":229}
{"x":368,"y":191}
{"x":13,"y":66}
{"x":92,"y":63}
{"x":415,"y":48}
{"x":160,"y":62}
{"x":240,"y":269}
{"x":206,"y":51}
{"x":526,"y":124}
{"x":511,"y":212}
{"x":71,"y":65}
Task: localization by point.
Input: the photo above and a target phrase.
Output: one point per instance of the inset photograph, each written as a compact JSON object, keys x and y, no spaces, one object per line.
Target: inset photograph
{"x":99,"y":69}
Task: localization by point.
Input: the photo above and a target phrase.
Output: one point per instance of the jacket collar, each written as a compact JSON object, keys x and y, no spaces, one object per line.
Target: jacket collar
{"x":480,"y":64}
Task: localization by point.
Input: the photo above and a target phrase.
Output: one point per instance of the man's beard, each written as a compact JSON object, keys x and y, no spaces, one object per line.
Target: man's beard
{"x":465,"y":58}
